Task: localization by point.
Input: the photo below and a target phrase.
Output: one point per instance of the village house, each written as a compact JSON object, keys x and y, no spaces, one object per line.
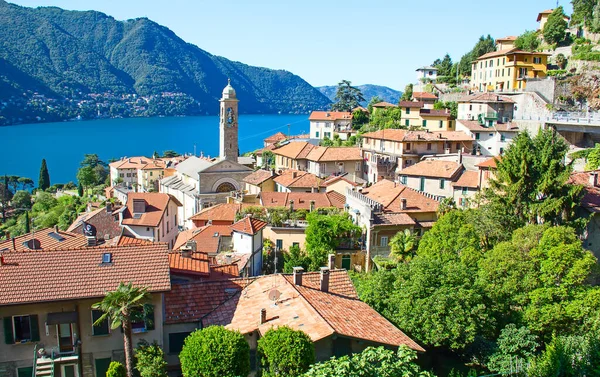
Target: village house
{"x":274,"y":139}
{"x":307,"y":301}
{"x":247,"y":237}
{"x":388,"y":151}
{"x":507,"y":68}
{"x":433,"y":177}
{"x":209,"y":239}
{"x":298,"y":181}
{"x":386,"y":208}
{"x":428,"y":99}
{"x":105,"y":220}
{"x":151,"y":216}
{"x":142,"y":173}
{"x":186,"y":265}
{"x":292,"y":155}
{"x":415,"y":115}
{"x":427,"y":74}
{"x":338,"y":183}
{"x":50,"y":327}
{"x":259,"y":181}
{"x":325,"y":124}
{"x":466,"y":187}
{"x":220,"y":214}
{"x":542,"y":18}
{"x":382,"y":105}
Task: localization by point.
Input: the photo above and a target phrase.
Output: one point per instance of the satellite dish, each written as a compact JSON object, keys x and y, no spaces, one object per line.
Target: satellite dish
{"x":274,"y":295}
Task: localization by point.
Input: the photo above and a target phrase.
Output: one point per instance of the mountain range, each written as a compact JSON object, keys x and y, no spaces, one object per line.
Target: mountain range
{"x":73,"y":54}
{"x":369,"y":91}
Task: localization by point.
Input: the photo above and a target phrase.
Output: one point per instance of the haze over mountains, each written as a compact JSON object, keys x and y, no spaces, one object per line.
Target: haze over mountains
{"x":66,"y":54}
{"x":369,"y":91}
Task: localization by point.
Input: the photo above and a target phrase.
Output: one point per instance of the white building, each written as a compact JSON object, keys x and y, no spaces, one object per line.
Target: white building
{"x":325,"y":124}
{"x":427,"y":73}
{"x":248,"y":240}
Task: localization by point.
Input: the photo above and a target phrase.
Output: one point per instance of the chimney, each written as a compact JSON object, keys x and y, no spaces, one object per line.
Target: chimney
{"x":324,"y":279}
{"x":92,"y":241}
{"x":312,"y":205}
{"x":331,"y":261}
{"x":298,"y":276}
{"x":14,"y":243}
{"x":313,"y":190}
{"x":55,"y":228}
{"x":109,"y":207}
{"x":186,"y":252}
{"x":403,"y":204}
{"x":594,"y":179}
{"x":263,"y":316}
{"x":294,"y":174}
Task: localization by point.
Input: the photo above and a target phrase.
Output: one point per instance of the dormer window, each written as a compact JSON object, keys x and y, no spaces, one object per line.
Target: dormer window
{"x":139,"y":206}
{"x":106,"y":258}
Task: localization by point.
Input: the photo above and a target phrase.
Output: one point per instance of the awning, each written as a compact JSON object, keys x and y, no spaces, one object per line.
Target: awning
{"x":61,"y":317}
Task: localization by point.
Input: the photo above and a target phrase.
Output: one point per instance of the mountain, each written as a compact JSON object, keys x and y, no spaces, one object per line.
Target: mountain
{"x":369,"y":91}
{"x":72,"y":54}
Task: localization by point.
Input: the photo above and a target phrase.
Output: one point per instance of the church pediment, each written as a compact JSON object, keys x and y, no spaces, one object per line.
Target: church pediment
{"x":225,"y":166}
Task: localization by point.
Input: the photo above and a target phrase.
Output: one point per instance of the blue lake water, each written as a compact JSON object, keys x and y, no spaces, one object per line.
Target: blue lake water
{"x":63,"y":144}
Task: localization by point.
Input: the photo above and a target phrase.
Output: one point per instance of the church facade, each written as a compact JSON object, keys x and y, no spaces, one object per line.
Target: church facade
{"x":200,"y":183}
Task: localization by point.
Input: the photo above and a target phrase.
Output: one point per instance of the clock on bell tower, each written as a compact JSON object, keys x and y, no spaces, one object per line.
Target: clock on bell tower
{"x":228,"y":126}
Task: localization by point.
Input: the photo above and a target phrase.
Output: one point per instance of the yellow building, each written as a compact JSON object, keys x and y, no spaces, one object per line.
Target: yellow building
{"x":414,"y":115}
{"x":508,"y":68}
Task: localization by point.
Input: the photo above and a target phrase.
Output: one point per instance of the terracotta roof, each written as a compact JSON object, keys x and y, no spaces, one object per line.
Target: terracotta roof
{"x":473,"y":125}
{"x":275,"y":138}
{"x":330,"y":115}
{"x":128,"y":241}
{"x":389,"y":194}
{"x":411,"y":104}
{"x":130,"y":163}
{"x":156,"y":205}
{"x":508,"y":38}
{"x":336,"y":178}
{"x":294,"y":149}
{"x":468,"y":178}
{"x":77,"y":273}
{"x":384,"y":219}
{"x":302,"y":199}
{"x":487,"y":98}
{"x":269,"y":147}
{"x":360,"y":108}
{"x":220,"y":212}
{"x":591,"y":193}
{"x":434,"y":113}
{"x":433,"y":169}
{"x":490,"y":163}
{"x":384,"y":104}
{"x":319,"y":314}
{"x":258,"y":177}
{"x":47,"y":239}
{"x":512,"y":51}
{"x":335,"y":154}
{"x":208,"y":238}
{"x":339,"y":282}
{"x":416,"y":136}
{"x":299,"y":179}
{"x":424,"y":95}
{"x":248,"y":225}
{"x":196,"y":263}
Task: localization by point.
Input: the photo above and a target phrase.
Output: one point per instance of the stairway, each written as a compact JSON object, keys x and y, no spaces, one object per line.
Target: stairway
{"x":44,"y":367}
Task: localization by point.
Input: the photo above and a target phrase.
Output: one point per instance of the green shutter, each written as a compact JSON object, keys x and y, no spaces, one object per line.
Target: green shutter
{"x":35,"y":328}
{"x":102,"y":366}
{"x":8,"y":331}
{"x":149,"y":316}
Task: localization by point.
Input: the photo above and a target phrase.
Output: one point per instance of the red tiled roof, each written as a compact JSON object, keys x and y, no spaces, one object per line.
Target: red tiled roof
{"x":61,"y":240}
{"x":433,"y":169}
{"x":508,"y":38}
{"x":434,"y":113}
{"x":487,"y":98}
{"x":248,"y":225}
{"x":220,"y":212}
{"x":424,"y":95}
{"x":128,"y":241}
{"x":330,"y":115}
{"x":511,"y":51}
{"x":258,"y":177}
{"x":490,"y":163}
{"x":335,"y":154}
{"x":208,"y":238}
{"x":389,"y":194}
{"x":156,"y":205}
{"x":77,"y":273}
{"x":339,"y":282}
{"x":411,"y":104}
{"x":196,"y":263}
{"x":298,"y":179}
{"x":385,"y":219}
{"x":468,"y":178}
{"x":301,"y":199}
{"x":335,"y":178}
{"x":384,"y":104}
{"x":294,"y":149}
{"x":591,"y":193}
{"x":275,"y":138}
{"x":416,"y":136}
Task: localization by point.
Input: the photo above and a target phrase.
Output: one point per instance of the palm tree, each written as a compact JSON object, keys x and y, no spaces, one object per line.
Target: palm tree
{"x":120,"y":307}
{"x":402,"y":245}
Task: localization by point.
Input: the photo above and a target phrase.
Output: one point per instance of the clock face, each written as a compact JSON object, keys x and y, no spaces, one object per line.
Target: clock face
{"x":230,"y":116}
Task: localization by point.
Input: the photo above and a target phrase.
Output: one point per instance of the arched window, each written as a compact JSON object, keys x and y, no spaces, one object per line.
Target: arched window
{"x":225,"y":187}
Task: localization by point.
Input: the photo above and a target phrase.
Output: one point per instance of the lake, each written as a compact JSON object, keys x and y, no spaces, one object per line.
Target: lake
{"x":64,"y":144}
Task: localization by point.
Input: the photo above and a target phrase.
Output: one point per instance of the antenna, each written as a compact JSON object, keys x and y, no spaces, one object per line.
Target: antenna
{"x":194,"y":149}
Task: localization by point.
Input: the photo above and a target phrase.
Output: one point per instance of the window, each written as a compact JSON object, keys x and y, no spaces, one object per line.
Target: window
{"x":462,"y":202}
{"x":317,"y":134}
{"x":279,"y":244}
{"x":502,"y":137}
{"x":501,"y":151}
{"x":295,"y":244}
{"x":422,"y":184}
{"x":168,"y":227}
{"x":428,"y":146}
{"x":128,"y":174}
{"x":464,"y":191}
{"x":441,"y":123}
{"x":121,"y":175}
{"x":537,"y":60}
{"x":491,"y":63}
{"x":403,"y":179}
{"x":176,"y":340}
{"x":102,"y":328}
{"x":476,"y":135}
{"x":25,"y":372}
{"x":357,"y":166}
{"x":142,"y":320}
{"x":327,"y":134}
{"x":424,"y":123}
{"x":384,"y":241}
{"x":407,"y":146}
{"x":322,"y":168}
{"x":21,"y":329}
{"x":151,"y":174}
{"x":442,"y":183}
{"x":346,"y":261}
{"x":470,"y":107}
{"x":407,"y":110}
{"x":406,"y":122}
{"x":457,"y":147}
{"x":102,"y":366}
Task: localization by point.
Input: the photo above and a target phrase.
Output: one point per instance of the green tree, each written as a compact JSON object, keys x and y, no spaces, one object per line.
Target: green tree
{"x":561,"y":61}
{"x":5,"y":197}
{"x":86,"y":176}
{"x":22,"y":200}
{"x":295,"y":258}
{"x":568,"y":356}
{"x":483,"y":46}
{"x":27,"y":223}
{"x":120,"y":307}
{"x":150,"y":360}
{"x":116,"y":369}
{"x":583,"y":12}
{"x":80,"y":190}
{"x":444,"y":67}
{"x":215,"y":352}
{"x":402,"y":245}
{"x":359,"y":118}
{"x":44,"y":180}
{"x":324,"y":234}
{"x":389,"y":117}
{"x":515,"y":346}
{"x":408,"y":93}
{"x":528,"y":41}
{"x":449,"y":105}
{"x":372,"y":362}
{"x":285,"y":352}
{"x":556,"y":26}
{"x":374,"y":100}
{"x":347,"y":97}
{"x":26,"y":183}
{"x":92,"y":160}
{"x":268,"y":159}
{"x":170,"y":154}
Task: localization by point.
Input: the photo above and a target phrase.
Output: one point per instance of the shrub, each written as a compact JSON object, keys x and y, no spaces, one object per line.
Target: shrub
{"x":116,"y":369}
{"x":215,"y":352}
{"x":150,"y":360}
{"x":285,"y":352}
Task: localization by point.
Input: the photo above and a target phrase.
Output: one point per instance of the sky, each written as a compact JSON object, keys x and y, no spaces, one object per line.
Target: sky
{"x":325,"y":41}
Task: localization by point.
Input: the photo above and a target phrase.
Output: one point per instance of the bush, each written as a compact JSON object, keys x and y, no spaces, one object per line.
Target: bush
{"x":215,"y":352}
{"x":150,"y":360}
{"x":116,"y":369}
{"x":285,"y":352}
{"x":556,"y":72}
{"x":593,"y":56}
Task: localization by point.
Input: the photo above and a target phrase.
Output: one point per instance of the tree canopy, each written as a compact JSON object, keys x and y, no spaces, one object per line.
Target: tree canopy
{"x":347,"y":97}
{"x":556,"y":26}
{"x":44,"y":179}
{"x":528,"y":41}
{"x":285,"y":352}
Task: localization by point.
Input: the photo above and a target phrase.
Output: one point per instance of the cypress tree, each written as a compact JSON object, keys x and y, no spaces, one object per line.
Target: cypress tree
{"x":27,"y":227}
{"x":80,"y":190}
{"x":44,"y":181}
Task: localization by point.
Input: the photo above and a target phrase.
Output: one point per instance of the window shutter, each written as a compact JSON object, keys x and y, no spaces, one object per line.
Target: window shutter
{"x":8,"y":331}
{"x":35,"y":328}
{"x":149,"y":316}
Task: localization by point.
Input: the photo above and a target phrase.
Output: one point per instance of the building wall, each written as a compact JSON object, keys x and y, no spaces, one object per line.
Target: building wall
{"x":148,"y":177}
{"x":321,"y":128}
{"x":339,"y":186}
{"x":431,"y":185}
{"x":437,"y":123}
{"x":171,"y":356}
{"x":464,"y":199}
{"x":242,"y":243}
{"x":325,"y":169}
{"x":288,"y":236}
{"x":502,"y":73}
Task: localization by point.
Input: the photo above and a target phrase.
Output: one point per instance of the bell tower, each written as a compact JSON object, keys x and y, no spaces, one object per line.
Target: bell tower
{"x":228,"y":126}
